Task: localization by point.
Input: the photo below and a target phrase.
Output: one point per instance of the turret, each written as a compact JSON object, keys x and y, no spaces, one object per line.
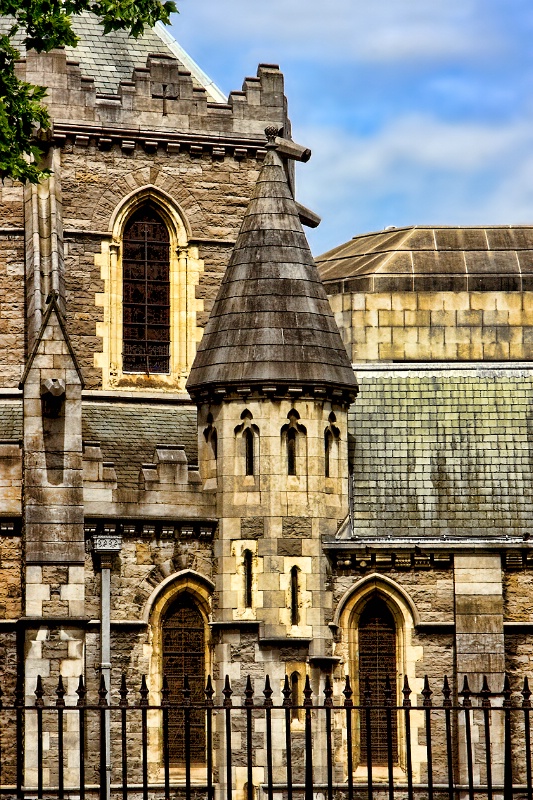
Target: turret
{"x":273,"y":383}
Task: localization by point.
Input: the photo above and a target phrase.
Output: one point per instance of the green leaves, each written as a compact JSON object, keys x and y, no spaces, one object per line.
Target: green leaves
{"x":21,"y":115}
{"x":47,"y":25}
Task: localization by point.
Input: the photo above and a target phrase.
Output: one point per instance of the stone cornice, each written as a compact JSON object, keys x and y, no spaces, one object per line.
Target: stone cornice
{"x":195,"y":143}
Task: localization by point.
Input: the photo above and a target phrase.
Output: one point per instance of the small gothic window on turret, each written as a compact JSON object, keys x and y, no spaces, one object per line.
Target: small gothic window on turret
{"x":146,"y":293}
{"x":328,"y":439}
{"x":295,"y":597}
{"x":249,"y":451}
{"x":248,"y":578}
{"x":291,"y":451}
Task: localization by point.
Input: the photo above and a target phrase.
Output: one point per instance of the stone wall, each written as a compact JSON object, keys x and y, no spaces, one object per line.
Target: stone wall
{"x":436,"y":326}
{"x":12,"y":284}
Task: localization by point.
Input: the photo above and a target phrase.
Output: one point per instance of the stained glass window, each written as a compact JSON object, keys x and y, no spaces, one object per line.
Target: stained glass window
{"x":184,"y":655}
{"x":146,"y":293}
{"x":377,"y":660}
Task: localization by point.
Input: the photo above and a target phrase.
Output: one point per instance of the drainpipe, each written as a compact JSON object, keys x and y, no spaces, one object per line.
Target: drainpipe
{"x":106,"y":545}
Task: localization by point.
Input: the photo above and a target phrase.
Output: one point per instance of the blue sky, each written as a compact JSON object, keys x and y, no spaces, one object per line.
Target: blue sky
{"x":417,"y":111}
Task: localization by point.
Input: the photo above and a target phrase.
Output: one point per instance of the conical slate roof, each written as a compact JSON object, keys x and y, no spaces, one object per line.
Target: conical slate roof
{"x":271,"y":324}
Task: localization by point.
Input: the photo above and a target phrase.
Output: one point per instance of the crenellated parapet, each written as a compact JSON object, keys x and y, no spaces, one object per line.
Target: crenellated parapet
{"x":168,"y":484}
{"x":170,"y":468}
{"x":162,"y":105}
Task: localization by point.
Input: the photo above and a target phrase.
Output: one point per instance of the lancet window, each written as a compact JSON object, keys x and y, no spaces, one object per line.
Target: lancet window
{"x":377,"y":661}
{"x":146,"y":293}
{"x":184,"y":657}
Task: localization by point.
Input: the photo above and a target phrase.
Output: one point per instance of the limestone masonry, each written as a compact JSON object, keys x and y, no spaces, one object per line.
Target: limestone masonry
{"x":184,"y":444}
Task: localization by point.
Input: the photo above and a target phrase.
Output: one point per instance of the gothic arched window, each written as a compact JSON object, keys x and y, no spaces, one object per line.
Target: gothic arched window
{"x":184,"y":656}
{"x":377,"y":661}
{"x":146,"y":293}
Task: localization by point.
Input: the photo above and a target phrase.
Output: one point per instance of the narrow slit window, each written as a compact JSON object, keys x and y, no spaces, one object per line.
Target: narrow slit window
{"x":291,"y":451}
{"x":247,"y":563}
{"x":295,"y":613}
{"x":295,"y":695}
{"x":146,"y":293}
{"x":249,"y":451}
{"x":214,"y":443}
{"x":328,"y":439}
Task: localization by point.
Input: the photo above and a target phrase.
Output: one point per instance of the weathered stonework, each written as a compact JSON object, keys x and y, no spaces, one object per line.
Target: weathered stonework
{"x":262,"y":499}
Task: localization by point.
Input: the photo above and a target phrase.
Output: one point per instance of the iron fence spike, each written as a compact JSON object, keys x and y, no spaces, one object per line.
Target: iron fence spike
{"x":308,"y":693}
{"x":39,"y":693}
{"x":286,"y":692}
{"x":60,"y":693}
{"x":249,"y":692}
{"x":143,"y":691}
{"x":124,"y":691}
{"x":81,"y":691}
{"x":526,"y":694}
{"x":406,"y":691}
{"x":102,"y":691}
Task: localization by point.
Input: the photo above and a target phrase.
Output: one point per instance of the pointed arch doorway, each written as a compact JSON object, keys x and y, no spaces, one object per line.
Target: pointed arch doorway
{"x":183,"y":651}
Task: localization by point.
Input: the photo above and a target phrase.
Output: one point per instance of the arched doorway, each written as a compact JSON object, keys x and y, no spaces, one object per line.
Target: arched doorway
{"x":377,"y":661}
{"x":183,"y":634}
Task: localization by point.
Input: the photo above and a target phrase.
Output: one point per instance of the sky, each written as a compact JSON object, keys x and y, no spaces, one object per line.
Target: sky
{"x":416,"y":111}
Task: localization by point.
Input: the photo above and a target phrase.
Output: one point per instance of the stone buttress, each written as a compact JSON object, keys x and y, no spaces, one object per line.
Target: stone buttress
{"x":53,"y":522}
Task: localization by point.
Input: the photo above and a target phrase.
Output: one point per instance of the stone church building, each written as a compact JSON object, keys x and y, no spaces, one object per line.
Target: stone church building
{"x":193,"y":481}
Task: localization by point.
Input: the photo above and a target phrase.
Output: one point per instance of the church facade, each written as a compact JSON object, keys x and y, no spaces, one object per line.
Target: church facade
{"x":193,"y":480}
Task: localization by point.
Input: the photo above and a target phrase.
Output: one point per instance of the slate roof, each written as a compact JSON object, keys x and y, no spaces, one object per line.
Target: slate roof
{"x":440,"y":453}
{"x":271,"y":322}
{"x":112,"y":58}
{"x":11,"y":420}
{"x":419,"y":258}
{"x":128,"y":433}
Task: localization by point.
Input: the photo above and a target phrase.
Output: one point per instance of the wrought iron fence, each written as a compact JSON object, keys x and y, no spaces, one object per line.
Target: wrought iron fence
{"x":476,"y":745}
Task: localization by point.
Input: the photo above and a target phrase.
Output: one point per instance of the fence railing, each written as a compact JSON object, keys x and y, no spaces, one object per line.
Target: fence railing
{"x":241,"y":745}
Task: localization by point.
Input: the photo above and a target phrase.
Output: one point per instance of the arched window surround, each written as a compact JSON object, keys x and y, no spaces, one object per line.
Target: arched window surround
{"x":185,"y":271}
{"x":247,"y":450}
{"x":406,"y":617}
{"x":331,"y":448}
{"x":294,"y":446}
{"x":209,"y":456}
{"x":199,"y":589}
{"x":244,"y":578}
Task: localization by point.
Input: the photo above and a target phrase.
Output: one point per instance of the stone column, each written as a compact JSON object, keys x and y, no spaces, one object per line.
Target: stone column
{"x":479,"y":649}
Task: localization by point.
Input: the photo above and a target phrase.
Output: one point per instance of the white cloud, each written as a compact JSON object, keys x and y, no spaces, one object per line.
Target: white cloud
{"x":346,"y":31}
{"x":421,"y":169}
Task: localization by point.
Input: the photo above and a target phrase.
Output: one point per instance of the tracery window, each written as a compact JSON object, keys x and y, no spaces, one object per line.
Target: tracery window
{"x":146,"y":293}
{"x":184,"y":656}
{"x":377,"y":660}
